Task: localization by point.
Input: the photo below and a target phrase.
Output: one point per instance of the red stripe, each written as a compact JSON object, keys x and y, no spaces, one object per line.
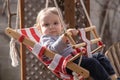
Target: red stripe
{"x":29,"y":48}
{"x":59,"y":66}
{"x":21,"y":38}
{"x":41,"y":52}
{"x":63,"y":69}
{"x":100,"y":43}
{"x":40,"y":55}
{"x":23,"y":31}
{"x":37,"y":38}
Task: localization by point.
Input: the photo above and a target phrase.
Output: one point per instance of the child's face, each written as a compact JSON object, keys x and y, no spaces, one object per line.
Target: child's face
{"x":50,"y":24}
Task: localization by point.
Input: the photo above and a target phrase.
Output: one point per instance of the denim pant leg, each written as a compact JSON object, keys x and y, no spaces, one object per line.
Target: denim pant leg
{"x":105,"y":63}
{"x":97,"y":71}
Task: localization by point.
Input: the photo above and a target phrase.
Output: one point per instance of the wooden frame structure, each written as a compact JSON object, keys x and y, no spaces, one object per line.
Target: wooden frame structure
{"x":72,"y":66}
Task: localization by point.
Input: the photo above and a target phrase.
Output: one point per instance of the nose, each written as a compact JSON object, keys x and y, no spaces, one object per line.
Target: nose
{"x":51,"y":26}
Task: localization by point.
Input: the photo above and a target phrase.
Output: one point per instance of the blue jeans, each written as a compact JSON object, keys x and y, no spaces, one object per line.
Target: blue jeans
{"x":98,"y":66}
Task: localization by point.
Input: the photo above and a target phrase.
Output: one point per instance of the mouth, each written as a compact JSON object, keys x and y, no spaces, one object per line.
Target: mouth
{"x":52,"y":31}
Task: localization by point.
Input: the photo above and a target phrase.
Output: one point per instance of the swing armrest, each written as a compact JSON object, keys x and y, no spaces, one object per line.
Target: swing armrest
{"x":79,"y":54}
{"x":97,"y":49}
{"x":84,"y":44}
{"x":93,"y":41}
{"x":72,"y":66}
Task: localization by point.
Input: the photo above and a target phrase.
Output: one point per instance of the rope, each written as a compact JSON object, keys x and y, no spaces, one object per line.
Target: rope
{"x":13,"y":50}
{"x":86,"y":12}
{"x":13,"y":53}
{"x":17,"y":17}
{"x":105,"y":20}
{"x":60,"y":15}
{"x":80,"y":60}
{"x":47,"y":2}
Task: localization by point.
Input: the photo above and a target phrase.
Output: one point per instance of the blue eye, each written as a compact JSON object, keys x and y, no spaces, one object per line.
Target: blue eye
{"x":56,"y":23}
{"x":46,"y":25}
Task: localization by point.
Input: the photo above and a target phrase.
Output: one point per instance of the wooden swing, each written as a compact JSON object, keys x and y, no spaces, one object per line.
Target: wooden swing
{"x":50,"y":54}
{"x":70,"y":64}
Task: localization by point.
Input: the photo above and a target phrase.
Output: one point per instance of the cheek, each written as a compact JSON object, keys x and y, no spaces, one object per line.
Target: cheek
{"x":44,"y":30}
{"x":61,"y":28}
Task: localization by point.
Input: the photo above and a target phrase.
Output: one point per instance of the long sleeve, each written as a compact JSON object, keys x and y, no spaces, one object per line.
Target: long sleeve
{"x":54,"y":43}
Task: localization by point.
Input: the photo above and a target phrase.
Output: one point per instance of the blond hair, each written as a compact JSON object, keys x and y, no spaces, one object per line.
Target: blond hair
{"x":44,"y":12}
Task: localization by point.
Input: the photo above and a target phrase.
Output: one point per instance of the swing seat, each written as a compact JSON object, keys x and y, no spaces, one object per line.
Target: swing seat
{"x":31,"y":38}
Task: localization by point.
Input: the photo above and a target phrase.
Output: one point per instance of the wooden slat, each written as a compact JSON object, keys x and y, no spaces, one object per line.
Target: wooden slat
{"x":109,"y":55}
{"x":71,"y":40}
{"x":116,"y":62}
{"x":84,"y":44}
{"x":113,"y":53}
{"x":118,"y":50}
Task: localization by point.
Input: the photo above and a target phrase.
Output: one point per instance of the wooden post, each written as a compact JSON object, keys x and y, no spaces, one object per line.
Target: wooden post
{"x":87,"y":4}
{"x":22,"y":47}
{"x":69,"y":12}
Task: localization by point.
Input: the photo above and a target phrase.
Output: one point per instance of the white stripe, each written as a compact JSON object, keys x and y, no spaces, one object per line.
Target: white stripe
{"x":64,"y":76}
{"x":36,"y":49}
{"x":28,"y":29}
{"x":29,"y":34}
{"x":77,"y":76}
{"x":19,"y":31}
{"x":89,"y":51}
{"x":83,"y":35}
{"x":55,"y":62}
{"x":80,"y":77}
{"x":37,"y":32}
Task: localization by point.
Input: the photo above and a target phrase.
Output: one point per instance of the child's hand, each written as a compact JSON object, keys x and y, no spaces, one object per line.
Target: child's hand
{"x":72,"y":32}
